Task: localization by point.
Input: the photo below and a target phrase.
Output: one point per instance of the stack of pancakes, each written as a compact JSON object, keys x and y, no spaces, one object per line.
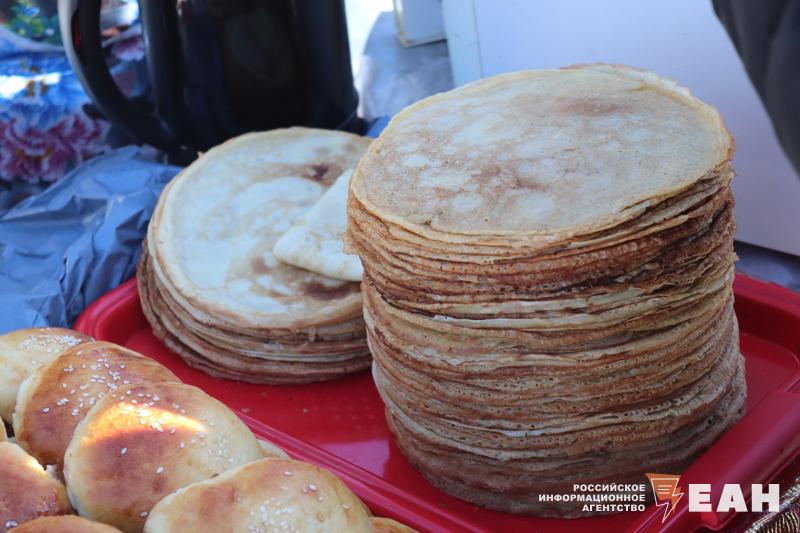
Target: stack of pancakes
{"x":210,"y":284}
{"x":548,"y":262}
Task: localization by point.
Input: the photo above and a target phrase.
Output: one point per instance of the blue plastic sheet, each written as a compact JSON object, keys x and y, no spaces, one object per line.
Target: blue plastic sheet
{"x":65,"y":247}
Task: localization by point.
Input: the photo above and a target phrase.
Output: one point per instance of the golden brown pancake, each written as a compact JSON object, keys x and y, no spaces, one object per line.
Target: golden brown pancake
{"x":214,"y":291}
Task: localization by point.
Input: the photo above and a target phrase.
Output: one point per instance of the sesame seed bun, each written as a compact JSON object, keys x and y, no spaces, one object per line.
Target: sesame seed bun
{"x":266,"y":495}
{"x":27,"y":491}
{"x":64,"y":524}
{"x":25,"y":350}
{"x":55,"y":398}
{"x":139,"y":444}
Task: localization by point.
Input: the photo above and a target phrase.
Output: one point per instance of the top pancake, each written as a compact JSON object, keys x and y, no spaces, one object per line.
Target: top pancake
{"x":553,"y":153}
{"x":217,"y":222}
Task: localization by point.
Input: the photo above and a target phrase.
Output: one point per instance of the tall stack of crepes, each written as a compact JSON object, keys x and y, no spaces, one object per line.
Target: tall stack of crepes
{"x":548,"y":261}
{"x":210,"y":284}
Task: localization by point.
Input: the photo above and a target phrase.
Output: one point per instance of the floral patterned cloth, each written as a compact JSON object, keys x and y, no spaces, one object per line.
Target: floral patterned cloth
{"x":48,"y":124}
{"x":44,"y":127}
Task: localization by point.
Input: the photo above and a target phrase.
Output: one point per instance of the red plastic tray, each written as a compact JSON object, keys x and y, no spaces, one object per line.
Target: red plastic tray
{"x":340,"y":424}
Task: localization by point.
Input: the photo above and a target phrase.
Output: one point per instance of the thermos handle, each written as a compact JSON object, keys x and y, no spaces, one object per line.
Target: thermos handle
{"x":80,"y":27}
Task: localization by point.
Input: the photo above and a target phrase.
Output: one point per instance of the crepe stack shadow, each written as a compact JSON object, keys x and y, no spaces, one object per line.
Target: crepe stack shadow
{"x":209,"y":283}
{"x":548,"y":261}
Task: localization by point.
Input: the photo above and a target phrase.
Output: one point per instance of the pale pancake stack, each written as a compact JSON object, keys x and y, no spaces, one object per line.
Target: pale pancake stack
{"x":548,"y":262}
{"x":212,"y":288}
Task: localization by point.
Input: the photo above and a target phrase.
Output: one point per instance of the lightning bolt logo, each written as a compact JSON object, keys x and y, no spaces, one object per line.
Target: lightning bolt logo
{"x":666,"y":491}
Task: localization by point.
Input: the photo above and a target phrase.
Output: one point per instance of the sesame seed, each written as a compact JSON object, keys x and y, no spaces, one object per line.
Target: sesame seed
{"x":287,"y":473}
{"x":123,"y":451}
{"x":159,"y":470}
{"x":312,"y":487}
{"x":182,"y":445}
{"x":75,"y":412}
{"x":171,"y":431}
{"x":320,"y":498}
{"x":345,"y":506}
{"x":143,"y":514}
{"x":46,"y":410}
{"x":11,"y":523}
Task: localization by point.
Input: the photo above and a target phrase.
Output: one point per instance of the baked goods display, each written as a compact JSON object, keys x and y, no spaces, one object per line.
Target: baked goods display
{"x":54,"y":399}
{"x":27,"y":491}
{"x":64,"y":524}
{"x":548,"y":259}
{"x":210,"y":284}
{"x":547,"y":264}
{"x":266,"y":495}
{"x":23,"y":351}
{"x":131,"y":435}
{"x":139,"y":444}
